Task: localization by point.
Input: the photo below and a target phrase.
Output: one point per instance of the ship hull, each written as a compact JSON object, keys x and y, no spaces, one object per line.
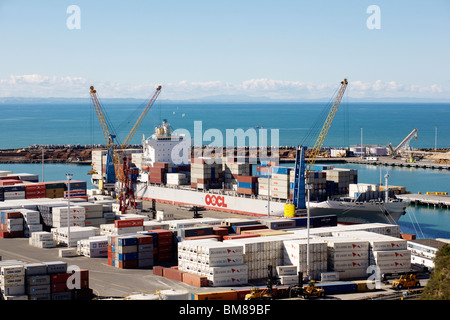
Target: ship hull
{"x":363,"y":212}
{"x":346,"y":213}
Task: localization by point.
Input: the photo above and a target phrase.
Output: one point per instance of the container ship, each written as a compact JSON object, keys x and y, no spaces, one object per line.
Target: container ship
{"x":168,"y":174}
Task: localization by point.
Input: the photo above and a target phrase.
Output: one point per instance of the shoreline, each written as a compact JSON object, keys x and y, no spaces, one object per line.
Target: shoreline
{"x":81,"y":155}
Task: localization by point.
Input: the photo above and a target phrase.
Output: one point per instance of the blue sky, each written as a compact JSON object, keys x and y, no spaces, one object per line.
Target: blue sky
{"x":278,"y":49}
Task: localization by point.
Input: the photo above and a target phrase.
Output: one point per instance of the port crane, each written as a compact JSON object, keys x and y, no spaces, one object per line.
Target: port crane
{"x":404,"y":145}
{"x":118,"y":167}
{"x":300,"y":168}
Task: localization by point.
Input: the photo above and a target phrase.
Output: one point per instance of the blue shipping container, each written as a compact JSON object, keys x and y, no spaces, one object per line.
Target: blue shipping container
{"x":129,"y":241}
{"x":281,"y":170}
{"x":338,"y":287}
{"x":247,"y":185}
{"x":128,"y":256}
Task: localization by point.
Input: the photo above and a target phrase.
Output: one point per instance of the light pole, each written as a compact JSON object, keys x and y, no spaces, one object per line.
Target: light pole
{"x":435,"y":138}
{"x":69,"y":177}
{"x":308,"y":188}
{"x":361,"y":142}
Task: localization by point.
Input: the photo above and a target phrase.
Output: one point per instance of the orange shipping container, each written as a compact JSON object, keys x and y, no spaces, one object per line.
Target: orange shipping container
{"x":224,"y":295}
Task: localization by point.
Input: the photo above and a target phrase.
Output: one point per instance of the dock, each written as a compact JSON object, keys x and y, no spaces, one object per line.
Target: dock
{"x":441,"y":201}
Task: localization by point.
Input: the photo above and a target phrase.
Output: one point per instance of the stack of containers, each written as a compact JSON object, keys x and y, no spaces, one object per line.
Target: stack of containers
{"x":341,"y":179}
{"x":279,"y":184}
{"x":263,"y":186}
{"x":37,"y":281}
{"x":133,"y":251}
{"x":288,"y":275}
{"x":349,"y":257}
{"x":163,"y":244}
{"x":206,"y":173}
{"x":93,"y":213}
{"x":259,"y":252}
{"x":136,"y":159}
{"x":318,"y":182}
{"x":93,"y":247}
{"x":145,"y":251}
{"x":232,"y":169}
{"x":125,"y":252}
{"x":157,"y":173}
{"x":176,"y":179}
{"x":128,"y":226}
{"x":12,"y":279}
{"x":78,"y":190}
{"x":99,"y":163}
{"x":46,"y":212}
{"x":13,"y":192}
{"x":42,"y":239}
{"x":389,"y":254}
{"x":61,"y":220}
{"x":247,"y":185}
{"x":26,"y":177}
{"x":34,"y":190}
{"x":54,"y":189}
{"x":31,"y":221}
{"x":61,"y":235}
{"x":295,"y":253}
{"x":11,"y":224}
{"x":221,"y":263}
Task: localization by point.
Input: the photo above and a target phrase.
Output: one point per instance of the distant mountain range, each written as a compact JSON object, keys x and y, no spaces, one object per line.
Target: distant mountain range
{"x":210,"y":99}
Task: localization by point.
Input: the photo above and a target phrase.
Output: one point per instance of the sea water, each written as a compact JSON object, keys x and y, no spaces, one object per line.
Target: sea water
{"x":22,"y":125}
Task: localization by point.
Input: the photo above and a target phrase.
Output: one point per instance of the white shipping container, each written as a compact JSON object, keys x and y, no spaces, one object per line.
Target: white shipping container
{"x":286,"y":270}
{"x":289,"y":280}
{"x":12,"y":270}
{"x":391,"y":255}
{"x":229,"y":281}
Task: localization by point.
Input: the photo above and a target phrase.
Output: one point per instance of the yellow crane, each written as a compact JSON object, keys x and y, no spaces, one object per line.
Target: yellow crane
{"x":117,"y":159}
{"x":326,"y":126}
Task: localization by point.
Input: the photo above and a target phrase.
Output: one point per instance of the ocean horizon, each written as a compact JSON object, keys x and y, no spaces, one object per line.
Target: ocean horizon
{"x":25,"y":124}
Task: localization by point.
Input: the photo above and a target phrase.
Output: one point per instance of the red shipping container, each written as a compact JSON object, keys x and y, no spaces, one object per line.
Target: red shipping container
{"x":128,"y":264}
{"x":4,"y":234}
{"x":158,"y":270}
{"x":59,"y":287}
{"x":245,"y":191}
{"x":195,"y":280}
{"x":173,"y":274}
{"x":145,"y":239}
{"x":239,"y":229}
{"x":220,"y":231}
{"x":82,"y":273}
{"x":9,"y":182}
{"x":161,"y":165}
{"x":59,"y":277}
{"x":165,"y":249}
{"x":13,"y":215}
{"x":35,"y":186}
{"x":163,"y":234}
{"x":129,"y":223}
{"x":165,"y":256}
{"x":9,"y":178}
{"x":248,"y":179}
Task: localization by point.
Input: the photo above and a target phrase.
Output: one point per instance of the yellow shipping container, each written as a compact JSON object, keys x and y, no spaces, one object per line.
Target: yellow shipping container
{"x":365,"y":285}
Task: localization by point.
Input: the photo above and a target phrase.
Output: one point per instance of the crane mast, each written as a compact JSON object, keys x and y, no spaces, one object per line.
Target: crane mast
{"x":301,"y":172}
{"x":326,"y":126}
{"x":123,"y":172}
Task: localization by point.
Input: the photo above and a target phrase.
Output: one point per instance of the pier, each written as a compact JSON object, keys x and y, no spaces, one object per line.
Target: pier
{"x":441,"y":201}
